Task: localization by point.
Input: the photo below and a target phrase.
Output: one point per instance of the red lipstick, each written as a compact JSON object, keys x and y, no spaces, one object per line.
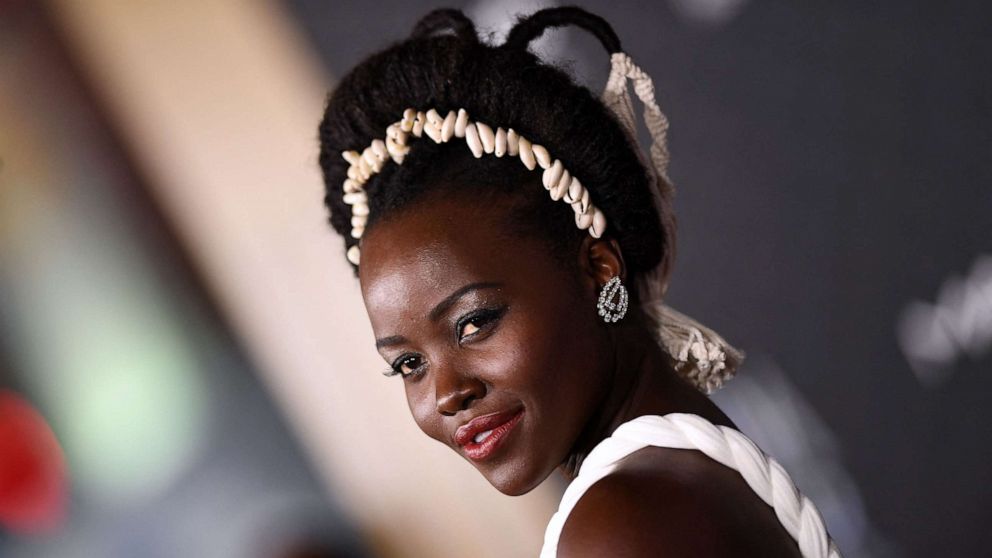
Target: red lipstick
{"x":481,"y":436}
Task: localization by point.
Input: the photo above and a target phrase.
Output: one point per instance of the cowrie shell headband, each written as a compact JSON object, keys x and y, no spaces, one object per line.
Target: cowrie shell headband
{"x":481,"y":139}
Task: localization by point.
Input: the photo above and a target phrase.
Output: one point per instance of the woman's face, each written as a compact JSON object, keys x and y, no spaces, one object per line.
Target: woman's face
{"x":500,"y":347}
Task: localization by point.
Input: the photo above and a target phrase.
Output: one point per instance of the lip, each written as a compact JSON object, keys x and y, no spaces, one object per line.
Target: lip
{"x":500,"y":423}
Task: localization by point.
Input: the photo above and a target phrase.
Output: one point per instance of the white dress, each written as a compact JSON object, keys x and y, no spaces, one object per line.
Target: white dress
{"x":728,"y":446}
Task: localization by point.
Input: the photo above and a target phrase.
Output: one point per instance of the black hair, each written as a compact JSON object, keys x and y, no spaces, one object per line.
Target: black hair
{"x":444,"y":65}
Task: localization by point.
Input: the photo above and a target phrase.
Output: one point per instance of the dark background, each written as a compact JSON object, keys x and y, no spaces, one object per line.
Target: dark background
{"x":832,"y":167}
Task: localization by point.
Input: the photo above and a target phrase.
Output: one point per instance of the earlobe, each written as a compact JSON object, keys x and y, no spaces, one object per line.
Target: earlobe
{"x":601,"y":260}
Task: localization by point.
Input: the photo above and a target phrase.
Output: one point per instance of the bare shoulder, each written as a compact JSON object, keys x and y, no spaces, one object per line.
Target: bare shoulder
{"x":676,"y":503}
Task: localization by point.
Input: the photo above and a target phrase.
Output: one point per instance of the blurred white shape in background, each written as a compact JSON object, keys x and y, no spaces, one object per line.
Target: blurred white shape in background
{"x":933,"y":336}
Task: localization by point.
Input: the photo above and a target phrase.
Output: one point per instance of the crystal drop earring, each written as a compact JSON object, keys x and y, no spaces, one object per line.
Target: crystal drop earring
{"x":612,"y":303}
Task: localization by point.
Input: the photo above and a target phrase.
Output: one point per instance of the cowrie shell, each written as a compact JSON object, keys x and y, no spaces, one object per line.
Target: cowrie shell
{"x":364,"y":169}
{"x":598,"y":223}
{"x":461,"y":121}
{"x":552,"y":175}
{"x":500,"y":142}
{"x":354,"y":254}
{"x":574,"y":192}
{"x":359,"y":220}
{"x":351,"y":186}
{"x":472,"y":138}
{"x":527,"y":154}
{"x":409,"y":120}
{"x":487,"y":136}
{"x":418,"y":124}
{"x":583,"y":220}
{"x":559,"y":190}
{"x":355,"y":197}
{"x":512,"y":142}
{"x":448,"y":127}
{"x":396,"y":151}
{"x":584,"y":203}
{"x":433,"y":131}
{"x":351,"y":157}
{"x":379,"y":149}
{"x":433,"y":117}
{"x":360,"y":209}
{"x":542,"y":156}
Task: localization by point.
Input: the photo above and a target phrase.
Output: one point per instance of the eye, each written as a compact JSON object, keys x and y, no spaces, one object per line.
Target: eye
{"x":472,"y":326}
{"x":406,"y":365}
{"x":475,"y":322}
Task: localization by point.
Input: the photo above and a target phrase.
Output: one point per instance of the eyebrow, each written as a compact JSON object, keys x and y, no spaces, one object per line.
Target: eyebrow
{"x":440,"y":308}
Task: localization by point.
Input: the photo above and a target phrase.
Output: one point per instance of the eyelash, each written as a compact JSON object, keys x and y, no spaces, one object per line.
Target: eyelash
{"x":487,"y":316}
{"x":394,"y":370}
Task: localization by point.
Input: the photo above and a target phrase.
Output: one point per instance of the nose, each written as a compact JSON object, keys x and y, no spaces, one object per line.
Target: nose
{"x":455,"y":391}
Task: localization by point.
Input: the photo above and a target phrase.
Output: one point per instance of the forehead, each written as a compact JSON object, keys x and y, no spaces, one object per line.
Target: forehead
{"x":426,"y":251}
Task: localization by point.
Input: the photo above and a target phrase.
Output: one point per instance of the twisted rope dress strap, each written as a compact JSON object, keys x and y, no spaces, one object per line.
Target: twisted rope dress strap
{"x":763,"y":474}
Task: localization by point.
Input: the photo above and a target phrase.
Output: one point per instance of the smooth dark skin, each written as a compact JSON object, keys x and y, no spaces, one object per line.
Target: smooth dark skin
{"x":577,"y":378}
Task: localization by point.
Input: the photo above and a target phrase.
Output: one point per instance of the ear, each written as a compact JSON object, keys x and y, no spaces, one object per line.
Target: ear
{"x":600,"y":259}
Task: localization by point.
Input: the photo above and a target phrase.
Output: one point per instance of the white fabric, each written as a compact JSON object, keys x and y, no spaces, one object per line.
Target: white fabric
{"x":729,"y":447}
{"x":698,"y":353}
{"x":701,"y":355}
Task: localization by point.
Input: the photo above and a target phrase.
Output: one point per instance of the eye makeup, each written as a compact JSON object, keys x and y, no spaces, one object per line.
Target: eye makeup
{"x":483,"y":319}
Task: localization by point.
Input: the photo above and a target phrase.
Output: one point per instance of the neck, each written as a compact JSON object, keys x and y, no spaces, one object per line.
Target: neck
{"x":643,"y":383}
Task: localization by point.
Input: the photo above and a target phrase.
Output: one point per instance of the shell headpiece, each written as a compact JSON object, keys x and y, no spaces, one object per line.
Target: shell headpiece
{"x":481,"y":139}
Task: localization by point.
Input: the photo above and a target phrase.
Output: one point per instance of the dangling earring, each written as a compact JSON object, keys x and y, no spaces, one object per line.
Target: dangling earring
{"x":609,"y":310}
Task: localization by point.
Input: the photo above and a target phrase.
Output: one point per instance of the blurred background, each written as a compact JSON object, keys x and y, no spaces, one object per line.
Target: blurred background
{"x":186,"y":368}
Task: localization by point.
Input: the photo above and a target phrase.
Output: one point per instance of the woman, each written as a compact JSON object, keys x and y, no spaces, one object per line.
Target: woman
{"x":513,"y":247}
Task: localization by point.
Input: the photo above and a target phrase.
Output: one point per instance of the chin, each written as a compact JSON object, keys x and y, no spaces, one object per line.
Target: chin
{"x":512,"y":482}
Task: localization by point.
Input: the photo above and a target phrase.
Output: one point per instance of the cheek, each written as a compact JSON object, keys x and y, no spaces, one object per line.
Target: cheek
{"x":420,"y":398}
{"x":562,"y":364}
{"x":536,"y":349}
